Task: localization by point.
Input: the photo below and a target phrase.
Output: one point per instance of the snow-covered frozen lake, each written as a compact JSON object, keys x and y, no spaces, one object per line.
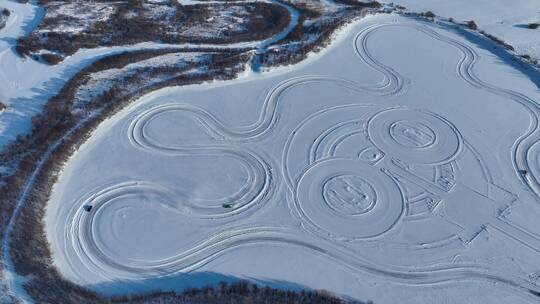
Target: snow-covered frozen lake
{"x":398,"y":164}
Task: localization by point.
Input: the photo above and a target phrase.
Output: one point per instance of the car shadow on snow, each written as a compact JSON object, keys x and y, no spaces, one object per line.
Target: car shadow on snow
{"x":522,"y":25}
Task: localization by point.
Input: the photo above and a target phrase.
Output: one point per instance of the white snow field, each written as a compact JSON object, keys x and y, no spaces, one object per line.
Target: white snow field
{"x":397,"y":166}
{"x":504,"y":19}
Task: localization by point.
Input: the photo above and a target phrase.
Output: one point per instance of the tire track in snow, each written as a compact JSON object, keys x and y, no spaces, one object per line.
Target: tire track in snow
{"x":211,"y":249}
{"x":215,"y":246}
{"x":465,"y":70}
{"x":13,"y":285}
{"x":258,"y":184}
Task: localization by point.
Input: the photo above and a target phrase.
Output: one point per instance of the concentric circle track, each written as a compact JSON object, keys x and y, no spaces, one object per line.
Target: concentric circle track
{"x":348,"y":200}
{"x":417,"y":137}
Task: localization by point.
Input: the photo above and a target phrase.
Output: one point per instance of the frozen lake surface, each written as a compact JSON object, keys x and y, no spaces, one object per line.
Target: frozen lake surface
{"x":398,"y":165}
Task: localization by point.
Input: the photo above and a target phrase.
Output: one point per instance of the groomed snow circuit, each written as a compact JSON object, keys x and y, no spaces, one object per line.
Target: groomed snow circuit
{"x":399,"y":164}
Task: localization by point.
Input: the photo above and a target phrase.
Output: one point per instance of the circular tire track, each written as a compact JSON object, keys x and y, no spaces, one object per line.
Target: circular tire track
{"x":348,"y":200}
{"x":418,"y":137}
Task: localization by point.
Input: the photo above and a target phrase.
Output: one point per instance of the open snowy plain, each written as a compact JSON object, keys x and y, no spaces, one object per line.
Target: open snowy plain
{"x":398,"y":165}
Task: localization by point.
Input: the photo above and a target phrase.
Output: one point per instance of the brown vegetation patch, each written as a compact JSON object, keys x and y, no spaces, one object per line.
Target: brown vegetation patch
{"x":136,"y":21}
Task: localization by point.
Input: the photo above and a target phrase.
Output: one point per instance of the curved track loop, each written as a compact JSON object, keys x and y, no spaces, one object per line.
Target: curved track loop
{"x":81,"y":235}
{"x":317,"y":149}
{"x":436,"y":140}
{"x":465,"y":70}
{"x":269,"y":112}
{"x":291,"y":180}
{"x":392,"y":79}
{"x":259,"y":179}
{"x":221,"y":243}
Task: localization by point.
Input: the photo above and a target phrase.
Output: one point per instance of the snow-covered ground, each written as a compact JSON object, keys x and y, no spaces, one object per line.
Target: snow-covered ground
{"x":102,"y":81}
{"x":397,"y":166}
{"x":26,"y":84}
{"x":504,"y":19}
{"x":79,"y":15}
